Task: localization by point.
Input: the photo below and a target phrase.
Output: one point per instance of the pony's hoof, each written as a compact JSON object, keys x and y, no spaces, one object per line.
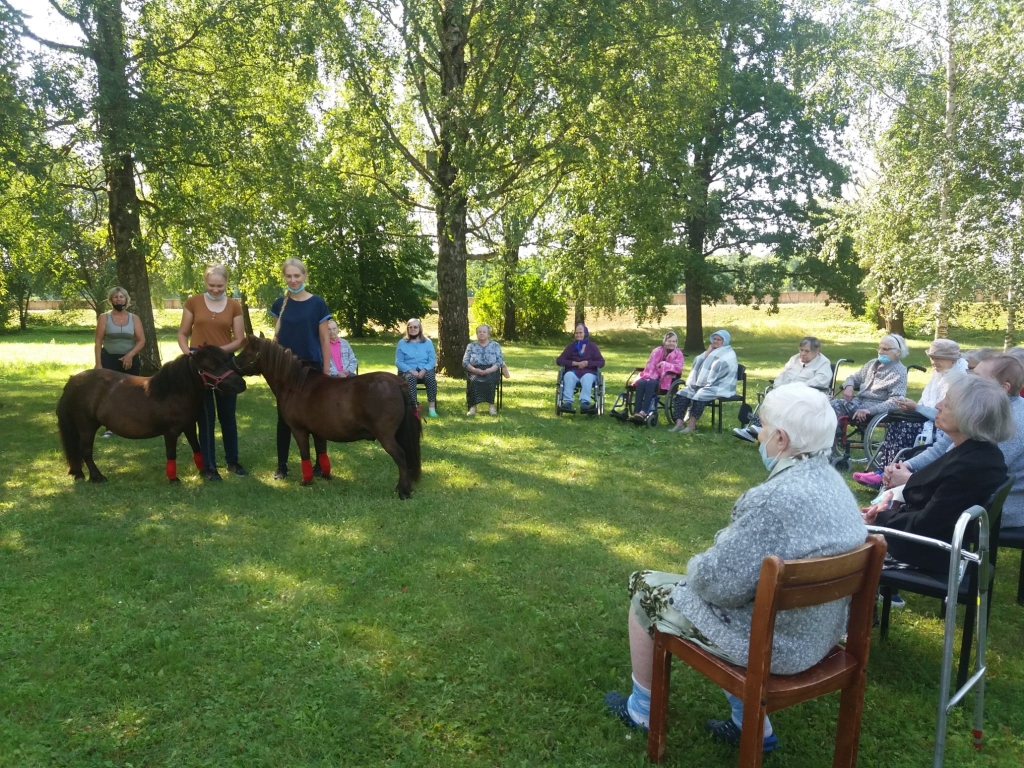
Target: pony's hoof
{"x":175,"y":481}
{"x":327,"y":477}
{"x":79,"y":477}
{"x":306,"y":482}
{"x":97,"y":479}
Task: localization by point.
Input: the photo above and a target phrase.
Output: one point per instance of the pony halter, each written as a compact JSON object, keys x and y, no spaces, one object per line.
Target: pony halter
{"x":211,"y":381}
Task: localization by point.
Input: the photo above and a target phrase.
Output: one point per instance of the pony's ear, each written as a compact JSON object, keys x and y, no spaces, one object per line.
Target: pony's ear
{"x":262,"y":336}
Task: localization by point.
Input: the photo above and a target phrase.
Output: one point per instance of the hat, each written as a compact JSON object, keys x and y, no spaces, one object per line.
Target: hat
{"x":944,"y":349}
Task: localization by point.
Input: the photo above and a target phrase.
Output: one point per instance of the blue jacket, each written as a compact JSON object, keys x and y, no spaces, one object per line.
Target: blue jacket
{"x":415,"y":355}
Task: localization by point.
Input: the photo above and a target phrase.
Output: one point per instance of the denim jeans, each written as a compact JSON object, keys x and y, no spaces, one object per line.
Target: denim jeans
{"x":569,"y":381}
{"x":218,"y":405}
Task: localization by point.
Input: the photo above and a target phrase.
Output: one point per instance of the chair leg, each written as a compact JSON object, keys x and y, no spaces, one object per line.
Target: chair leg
{"x":658,"y":728}
{"x":966,"y":641}
{"x":752,"y":732}
{"x":851,"y":710}
{"x":883,"y":629}
{"x":1020,"y":581}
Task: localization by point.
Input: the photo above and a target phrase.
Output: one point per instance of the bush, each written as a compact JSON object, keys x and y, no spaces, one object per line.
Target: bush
{"x":540,"y":311}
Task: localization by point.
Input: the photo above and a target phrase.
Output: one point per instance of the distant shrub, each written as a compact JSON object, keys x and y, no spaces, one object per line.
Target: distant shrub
{"x":540,"y":311}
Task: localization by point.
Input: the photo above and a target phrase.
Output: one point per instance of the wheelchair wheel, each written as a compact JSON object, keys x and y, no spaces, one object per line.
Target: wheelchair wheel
{"x":874,"y":435}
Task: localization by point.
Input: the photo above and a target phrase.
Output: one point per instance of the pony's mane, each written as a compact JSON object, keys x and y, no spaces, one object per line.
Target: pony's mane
{"x":281,"y":363}
{"x":172,"y":378}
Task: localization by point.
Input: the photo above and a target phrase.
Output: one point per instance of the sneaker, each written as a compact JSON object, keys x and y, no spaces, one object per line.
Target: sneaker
{"x":617,"y":706}
{"x":212,"y":475}
{"x":237,"y":469}
{"x":726,"y":730}
{"x":492,"y":411}
{"x":108,"y":433}
{"x":870,"y":479}
{"x":754,"y":429}
{"x":566,"y":408}
{"x":433,"y":413}
{"x":282,"y":472}
{"x":588,"y":408}
{"x":745,"y":434}
{"x":471,"y":411}
{"x":638,"y":418}
{"x":897,"y":601}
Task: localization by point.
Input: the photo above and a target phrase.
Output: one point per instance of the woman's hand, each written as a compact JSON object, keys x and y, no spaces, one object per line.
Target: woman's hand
{"x":896,"y":474}
{"x":848,"y":392}
{"x":861,"y":414}
{"x":126,"y":361}
{"x":906,"y":404}
{"x":870,"y":514}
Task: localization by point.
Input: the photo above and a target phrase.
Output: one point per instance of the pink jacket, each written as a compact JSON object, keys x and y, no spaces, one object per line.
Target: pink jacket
{"x":670,"y":371}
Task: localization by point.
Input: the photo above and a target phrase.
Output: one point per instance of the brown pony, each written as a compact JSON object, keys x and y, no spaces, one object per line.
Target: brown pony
{"x":371,"y":406}
{"x":135,"y":407}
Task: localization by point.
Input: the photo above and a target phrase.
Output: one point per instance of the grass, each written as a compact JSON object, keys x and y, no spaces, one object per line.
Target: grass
{"x":257,"y":623}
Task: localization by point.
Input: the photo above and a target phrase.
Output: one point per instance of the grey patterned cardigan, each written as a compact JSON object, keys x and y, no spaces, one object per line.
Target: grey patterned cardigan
{"x":803,"y":509}
{"x":878,"y":385}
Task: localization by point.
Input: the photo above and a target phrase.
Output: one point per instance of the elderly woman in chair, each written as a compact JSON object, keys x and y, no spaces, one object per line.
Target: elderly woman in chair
{"x":713,"y":375}
{"x":804,"y":509}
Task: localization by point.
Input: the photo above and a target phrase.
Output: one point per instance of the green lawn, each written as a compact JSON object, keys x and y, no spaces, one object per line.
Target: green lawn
{"x":258,"y":623}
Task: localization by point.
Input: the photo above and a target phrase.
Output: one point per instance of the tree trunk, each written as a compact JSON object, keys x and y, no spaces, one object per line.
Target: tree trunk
{"x":450,"y":195}
{"x":1010,"y":339}
{"x":246,"y":318}
{"x":894,"y":322}
{"x":114,"y":111}
{"x":509,"y":271}
{"x":945,"y":289}
{"x":579,"y":313}
{"x":694,"y":315}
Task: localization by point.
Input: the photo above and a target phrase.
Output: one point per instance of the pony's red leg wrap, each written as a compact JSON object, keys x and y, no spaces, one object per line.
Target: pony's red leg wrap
{"x":325,"y":464}
{"x":197,"y":457}
{"x":307,"y":471}
{"x":172,"y":469}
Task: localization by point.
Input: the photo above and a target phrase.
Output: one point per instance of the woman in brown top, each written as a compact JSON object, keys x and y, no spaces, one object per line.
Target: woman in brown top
{"x":213,"y":318}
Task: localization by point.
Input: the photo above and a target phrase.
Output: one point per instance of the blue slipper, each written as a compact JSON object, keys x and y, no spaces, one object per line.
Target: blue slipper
{"x":616,"y":704}
{"x":727,"y":731}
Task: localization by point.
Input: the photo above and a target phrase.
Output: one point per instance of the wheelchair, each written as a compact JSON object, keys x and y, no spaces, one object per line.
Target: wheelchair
{"x":597,"y":403}
{"x":625,"y":403}
{"x":858,"y":443}
{"x":761,"y":394}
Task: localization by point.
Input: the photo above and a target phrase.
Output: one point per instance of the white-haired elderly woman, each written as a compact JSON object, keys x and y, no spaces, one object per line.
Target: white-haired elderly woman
{"x":975,"y":415}
{"x":944,"y":355}
{"x":713,"y":375}
{"x":483,"y":362}
{"x":803,"y":509}
{"x":663,"y":366}
{"x":878,"y":385}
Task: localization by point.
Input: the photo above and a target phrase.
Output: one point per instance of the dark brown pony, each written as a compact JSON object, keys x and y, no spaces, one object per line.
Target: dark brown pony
{"x":135,"y":407}
{"x":371,"y":406}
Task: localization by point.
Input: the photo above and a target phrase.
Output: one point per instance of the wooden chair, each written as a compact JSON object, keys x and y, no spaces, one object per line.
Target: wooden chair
{"x":785,"y":585}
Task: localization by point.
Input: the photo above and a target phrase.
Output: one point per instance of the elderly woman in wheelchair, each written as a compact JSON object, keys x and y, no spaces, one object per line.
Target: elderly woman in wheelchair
{"x":803,"y":509}
{"x":581,"y":362}
{"x":914,"y":422}
{"x":808,"y":366}
{"x":664,"y":365}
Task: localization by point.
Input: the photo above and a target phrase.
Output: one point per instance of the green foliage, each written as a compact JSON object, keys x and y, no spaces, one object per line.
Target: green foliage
{"x":540,"y":310}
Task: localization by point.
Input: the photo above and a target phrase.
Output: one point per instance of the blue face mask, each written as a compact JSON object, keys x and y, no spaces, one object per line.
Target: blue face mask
{"x":217,"y":298}
{"x":883,"y":359}
{"x":768,"y":461}
{"x":300,"y":289}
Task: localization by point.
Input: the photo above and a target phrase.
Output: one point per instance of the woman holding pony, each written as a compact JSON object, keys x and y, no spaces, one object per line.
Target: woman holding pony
{"x":300,"y":323}
{"x":211,"y":318}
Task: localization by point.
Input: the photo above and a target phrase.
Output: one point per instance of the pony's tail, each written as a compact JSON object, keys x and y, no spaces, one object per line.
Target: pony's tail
{"x":409,"y":435}
{"x":69,"y":435}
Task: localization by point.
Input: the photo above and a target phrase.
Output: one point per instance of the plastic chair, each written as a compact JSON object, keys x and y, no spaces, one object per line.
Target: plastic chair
{"x":785,"y":585}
